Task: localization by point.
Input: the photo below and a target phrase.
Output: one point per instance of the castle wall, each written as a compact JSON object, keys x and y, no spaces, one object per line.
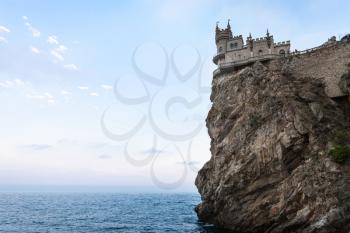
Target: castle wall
{"x":260,"y":47}
{"x":281,"y":46}
{"x":222,"y":44}
{"x":326,"y":64}
{"x":237,"y":43}
{"x":237,"y":55}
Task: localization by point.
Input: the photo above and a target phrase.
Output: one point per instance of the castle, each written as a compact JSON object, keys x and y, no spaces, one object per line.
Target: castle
{"x":231,"y":50}
{"x":233,"y":55}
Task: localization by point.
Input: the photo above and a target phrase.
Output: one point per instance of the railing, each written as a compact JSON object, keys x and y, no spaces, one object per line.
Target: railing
{"x":244,"y":62}
{"x":327,"y":45}
{"x":250,"y":59}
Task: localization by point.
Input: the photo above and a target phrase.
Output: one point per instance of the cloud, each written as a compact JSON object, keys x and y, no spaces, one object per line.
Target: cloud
{"x":57,"y":55}
{"x":24,"y":17}
{"x":68,"y":141}
{"x":39,"y":97}
{"x":94,"y":94}
{"x":107,"y":87}
{"x":104,"y":156}
{"x":4,"y":29}
{"x":3,"y":39}
{"x":52,"y":40}
{"x":61,"y":49}
{"x":152,"y":151}
{"x":71,"y":67}
{"x":35,"y":32}
{"x":189,"y":163}
{"x":34,"y":50}
{"x":13,"y":83}
{"x":47,"y":97}
{"x":6,"y":84}
{"x":58,"y":52}
{"x":83,"y":88}
{"x":37,"y":147}
{"x":63,"y":92}
{"x":19,"y":82}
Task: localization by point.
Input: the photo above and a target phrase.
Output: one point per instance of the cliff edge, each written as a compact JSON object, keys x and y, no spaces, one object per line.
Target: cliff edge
{"x":276,"y":129}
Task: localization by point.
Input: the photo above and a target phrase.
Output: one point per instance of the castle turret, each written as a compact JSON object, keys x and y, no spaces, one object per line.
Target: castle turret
{"x":250,"y":44}
{"x":269,"y":40}
{"x":222,"y":36}
{"x":229,"y":29}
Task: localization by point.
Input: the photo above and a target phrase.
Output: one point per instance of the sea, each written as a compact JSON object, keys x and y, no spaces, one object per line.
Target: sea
{"x":101,"y":213}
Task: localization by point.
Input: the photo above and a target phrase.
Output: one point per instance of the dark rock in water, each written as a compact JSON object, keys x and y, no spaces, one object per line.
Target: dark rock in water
{"x":272,"y":127}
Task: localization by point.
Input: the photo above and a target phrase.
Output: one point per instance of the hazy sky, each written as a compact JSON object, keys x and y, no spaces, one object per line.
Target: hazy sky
{"x":143,"y":68}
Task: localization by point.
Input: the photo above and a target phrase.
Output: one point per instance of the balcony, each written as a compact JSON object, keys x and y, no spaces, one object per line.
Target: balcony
{"x":217,"y":57}
{"x":227,"y":66}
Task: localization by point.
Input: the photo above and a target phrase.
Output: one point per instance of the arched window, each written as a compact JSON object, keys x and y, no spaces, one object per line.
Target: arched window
{"x":260,"y":52}
{"x":282,"y":52}
{"x":220,"y":49}
{"x":236,"y":45}
{"x":232,"y":45}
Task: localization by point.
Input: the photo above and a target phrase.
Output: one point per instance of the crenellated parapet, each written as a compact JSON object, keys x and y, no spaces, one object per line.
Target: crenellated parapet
{"x":232,"y":48}
{"x":283,"y":43}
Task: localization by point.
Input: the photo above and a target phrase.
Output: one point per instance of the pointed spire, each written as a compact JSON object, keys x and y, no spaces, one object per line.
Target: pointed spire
{"x":267,"y":33}
{"x":229,"y":29}
{"x":217,"y":26}
{"x":250,"y":36}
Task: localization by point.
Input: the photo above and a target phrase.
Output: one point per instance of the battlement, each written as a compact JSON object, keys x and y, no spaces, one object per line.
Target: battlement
{"x":232,"y":48}
{"x":237,"y":37}
{"x":260,"y":39}
{"x":317,"y":62}
{"x":282,"y":43}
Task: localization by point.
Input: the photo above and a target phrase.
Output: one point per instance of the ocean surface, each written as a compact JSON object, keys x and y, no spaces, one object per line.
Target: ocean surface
{"x":88,"y":212}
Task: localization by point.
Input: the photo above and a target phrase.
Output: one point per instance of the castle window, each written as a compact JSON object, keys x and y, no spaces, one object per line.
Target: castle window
{"x":220,"y":49}
{"x":282,"y":52}
{"x":233,"y":45}
{"x":260,"y":52}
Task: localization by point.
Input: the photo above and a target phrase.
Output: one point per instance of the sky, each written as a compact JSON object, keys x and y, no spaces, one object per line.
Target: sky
{"x":115,"y":93}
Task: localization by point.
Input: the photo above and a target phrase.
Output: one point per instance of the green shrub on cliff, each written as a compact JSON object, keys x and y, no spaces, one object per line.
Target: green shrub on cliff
{"x":340,"y":153}
{"x":254,"y":120}
{"x":341,"y":137}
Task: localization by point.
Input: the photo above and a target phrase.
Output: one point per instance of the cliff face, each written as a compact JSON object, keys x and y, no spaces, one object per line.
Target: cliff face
{"x":272,"y":126}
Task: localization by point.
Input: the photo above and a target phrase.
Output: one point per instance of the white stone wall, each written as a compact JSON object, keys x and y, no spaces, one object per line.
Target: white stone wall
{"x":260,"y":47}
{"x":236,"y":42}
{"x":285,"y":47}
{"x":222,"y":44}
{"x":239,"y":51}
{"x":237,"y":55}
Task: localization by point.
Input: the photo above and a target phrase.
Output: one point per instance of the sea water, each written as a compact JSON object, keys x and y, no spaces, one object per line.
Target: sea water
{"x":100,"y":212}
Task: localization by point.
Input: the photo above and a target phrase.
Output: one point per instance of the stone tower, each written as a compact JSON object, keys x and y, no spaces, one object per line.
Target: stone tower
{"x":222,"y":36}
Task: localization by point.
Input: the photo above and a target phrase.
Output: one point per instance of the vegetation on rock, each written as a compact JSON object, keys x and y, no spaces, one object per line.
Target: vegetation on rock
{"x":340,"y":152}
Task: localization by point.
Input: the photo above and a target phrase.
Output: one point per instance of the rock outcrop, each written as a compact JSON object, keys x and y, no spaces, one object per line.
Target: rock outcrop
{"x":271,"y":128}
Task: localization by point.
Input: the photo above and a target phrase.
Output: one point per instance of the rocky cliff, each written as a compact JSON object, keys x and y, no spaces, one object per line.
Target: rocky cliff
{"x":275,"y":130}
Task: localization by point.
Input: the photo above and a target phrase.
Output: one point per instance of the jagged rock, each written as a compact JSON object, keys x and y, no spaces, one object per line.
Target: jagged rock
{"x":271,"y":129}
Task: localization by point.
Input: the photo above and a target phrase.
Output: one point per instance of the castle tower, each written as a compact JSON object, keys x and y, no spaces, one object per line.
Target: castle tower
{"x":250,"y":44}
{"x":269,"y":40}
{"x":222,"y":36}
